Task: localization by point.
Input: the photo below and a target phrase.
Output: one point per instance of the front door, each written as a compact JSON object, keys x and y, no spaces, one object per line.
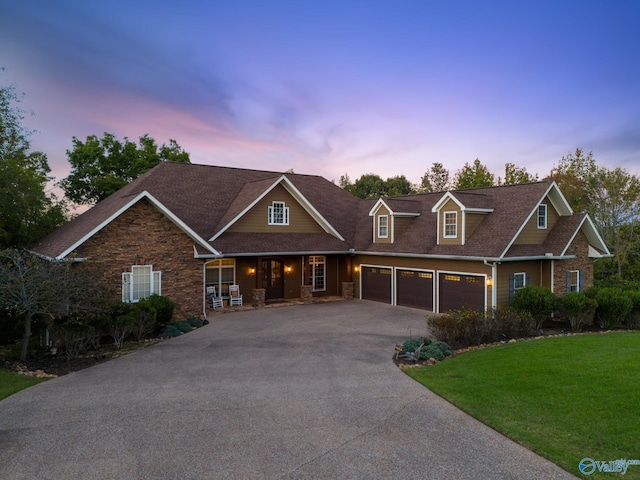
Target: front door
{"x":273,"y":280}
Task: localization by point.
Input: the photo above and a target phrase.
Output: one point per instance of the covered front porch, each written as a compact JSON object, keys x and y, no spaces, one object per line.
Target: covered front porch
{"x":276,"y":280}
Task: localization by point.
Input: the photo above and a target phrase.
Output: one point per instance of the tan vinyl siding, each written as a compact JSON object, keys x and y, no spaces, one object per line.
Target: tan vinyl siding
{"x":450,"y":206}
{"x":531,"y":268}
{"x":256,"y":219}
{"x":472,"y":220}
{"x":531,"y":234}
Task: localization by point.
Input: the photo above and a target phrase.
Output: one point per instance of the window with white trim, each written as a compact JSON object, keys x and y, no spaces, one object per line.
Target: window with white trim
{"x":278,"y":214}
{"x":383,"y":226}
{"x":450,"y":224}
{"x":220,"y":273}
{"x":141,"y":282}
{"x":542,"y":216}
{"x":573,"y":281}
{"x":519,"y":281}
{"x":317,"y":273}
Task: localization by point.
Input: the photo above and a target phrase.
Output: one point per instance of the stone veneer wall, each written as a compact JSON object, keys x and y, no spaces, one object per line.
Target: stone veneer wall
{"x":145,"y":236}
{"x":582,"y":262}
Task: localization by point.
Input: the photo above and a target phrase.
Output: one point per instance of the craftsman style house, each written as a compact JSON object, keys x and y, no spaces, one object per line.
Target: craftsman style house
{"x":181,"y":228}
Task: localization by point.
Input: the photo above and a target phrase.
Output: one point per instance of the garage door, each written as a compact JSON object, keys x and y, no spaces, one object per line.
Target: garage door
{"x":376,"y":284}
{"x":461,"y":291}
{"x":414,"y":289}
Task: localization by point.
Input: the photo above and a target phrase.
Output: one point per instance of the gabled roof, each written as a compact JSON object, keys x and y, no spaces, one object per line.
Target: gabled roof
{"x":401,"y":207}
{"x":205,"y":201}
{"x":202,"y":200}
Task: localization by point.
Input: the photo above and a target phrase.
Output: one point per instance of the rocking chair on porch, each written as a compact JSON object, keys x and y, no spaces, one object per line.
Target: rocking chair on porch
{"x":234,"y":295}
{"x":216,"y":301}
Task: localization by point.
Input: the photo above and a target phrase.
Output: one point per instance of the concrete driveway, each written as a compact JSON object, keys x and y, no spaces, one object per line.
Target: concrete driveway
{"x":293,"y":392}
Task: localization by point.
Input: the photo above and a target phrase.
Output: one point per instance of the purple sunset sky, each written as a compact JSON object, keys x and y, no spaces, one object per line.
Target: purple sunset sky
{"x":333,"y":87}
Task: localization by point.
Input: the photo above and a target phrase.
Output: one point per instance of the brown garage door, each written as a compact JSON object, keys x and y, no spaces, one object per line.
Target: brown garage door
{"x":414,"y":289}
{"x":461,"y":291}
{"x":376,"y":284}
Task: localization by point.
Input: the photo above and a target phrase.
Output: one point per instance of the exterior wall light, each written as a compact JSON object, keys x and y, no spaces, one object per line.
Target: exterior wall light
{"x":252,"y":271}
{"x":489,"y":281}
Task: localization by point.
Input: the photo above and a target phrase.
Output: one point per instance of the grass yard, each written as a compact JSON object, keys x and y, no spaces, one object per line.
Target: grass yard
{"x":11,"y":382}
{"x":566,"y":398}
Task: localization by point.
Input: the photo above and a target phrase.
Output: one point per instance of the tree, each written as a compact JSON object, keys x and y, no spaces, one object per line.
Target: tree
{"x":437,"y":179}
{"x":614,"y":201}
{"x":27,"y":213}
{"x":515,"y":175}
{"x":572,"y":175}
{"x":368,"y":185}
{"x":398,"y":185}
{"x":34,"y":287}
{"x":474,"y":176}
{"x":100,"y":167}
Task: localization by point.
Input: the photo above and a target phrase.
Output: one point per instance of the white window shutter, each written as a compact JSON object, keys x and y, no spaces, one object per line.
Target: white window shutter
{"x":126,"y":287}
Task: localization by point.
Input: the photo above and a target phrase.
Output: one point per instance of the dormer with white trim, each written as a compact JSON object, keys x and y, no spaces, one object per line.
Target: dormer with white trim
{"x":391,"y":217}
{"x":456,"y":220}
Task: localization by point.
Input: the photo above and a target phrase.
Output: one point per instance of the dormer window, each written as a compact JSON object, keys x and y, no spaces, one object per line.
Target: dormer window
{"x":383,"y":226}
{"x":542,"y":216}
{"x":450,"y":224}
{"x":278,"y":214}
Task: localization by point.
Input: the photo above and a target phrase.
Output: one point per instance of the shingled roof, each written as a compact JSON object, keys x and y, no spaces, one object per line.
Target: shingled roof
{"x":204,"y":200}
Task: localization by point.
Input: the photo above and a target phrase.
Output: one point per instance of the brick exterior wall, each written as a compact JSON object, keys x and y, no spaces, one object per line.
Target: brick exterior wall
{"x":582,"y":262}
{"x":145,"y":236}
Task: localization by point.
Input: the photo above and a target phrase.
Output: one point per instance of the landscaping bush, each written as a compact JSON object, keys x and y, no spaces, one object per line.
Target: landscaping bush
{"x":171,"y":331}
{"x":614,"y":305}
{"x":145,"y":318}
{"x":411,"y":345}
{"x":509,"y":322}
{"x":74,"y":335}
{"x":163,"y":307}
{"x":538,"y":301}
{"x":438,"y":350}
{"x":578,"y":309}
{"x":195,"y":322}
{"x":633,"y":320}
{"x":184,"y":327}
{"x":462,"y":327}
{"x":120,"y":328}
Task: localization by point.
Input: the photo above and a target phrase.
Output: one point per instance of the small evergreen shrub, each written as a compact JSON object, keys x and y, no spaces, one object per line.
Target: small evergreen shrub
{"x":170,"y":331}
{"x":194,"y":322}
{"x":411,"y":345}
{"x":538,"y":301}
{"x":578,"y":309}
{"x":614,"y":306}
{"x":438,"y":350}
{"x":184,"y":327}
{"x":163,"y":307}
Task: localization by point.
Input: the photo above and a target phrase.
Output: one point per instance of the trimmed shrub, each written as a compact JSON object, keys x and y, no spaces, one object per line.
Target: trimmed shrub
{"x":438,"y":350}
{"x":614,"y":306}
{"x":163,"y":307}
{"x":184,"y":327}
{"x":512,"y":323}
{"x":170,"y":331}
{"x":633,"y":320}
{"x":462,"y":327}
{"x":578,"y":309}
{"x":411,"y":345}
{"x":538,"y":301}
{"x":145,"y":318}
{"x":195,"y":322}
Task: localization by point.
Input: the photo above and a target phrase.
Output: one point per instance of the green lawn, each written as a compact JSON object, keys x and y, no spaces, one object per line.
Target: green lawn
{"x":11,"y":382}
{"x":565,"y":398}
